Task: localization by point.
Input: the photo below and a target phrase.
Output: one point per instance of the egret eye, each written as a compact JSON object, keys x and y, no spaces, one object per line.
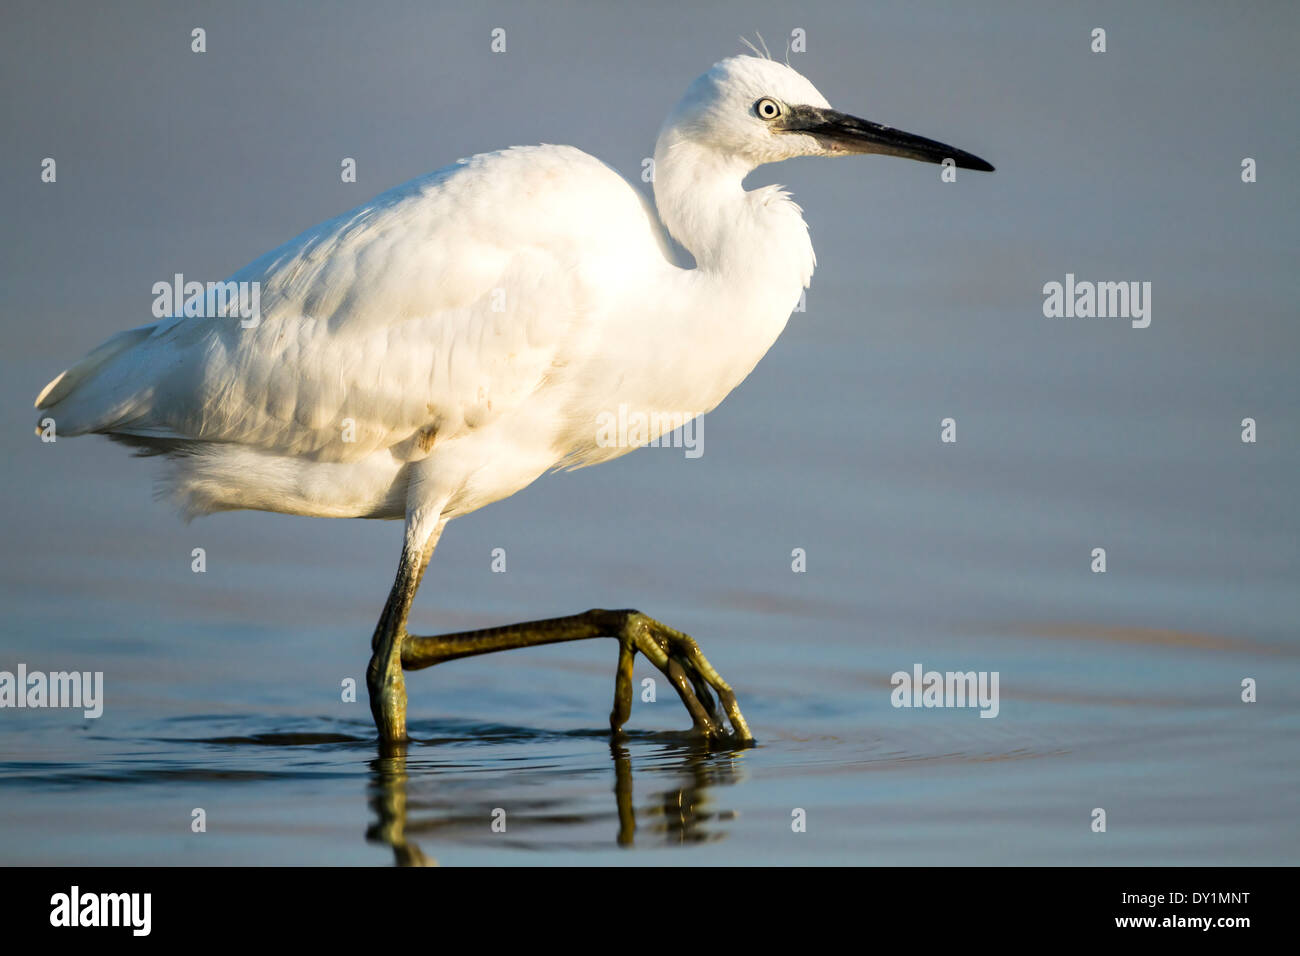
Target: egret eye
{"x":767,"y":109}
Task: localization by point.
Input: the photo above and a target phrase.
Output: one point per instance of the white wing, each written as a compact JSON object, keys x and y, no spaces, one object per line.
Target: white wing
{"x":425,"y":313}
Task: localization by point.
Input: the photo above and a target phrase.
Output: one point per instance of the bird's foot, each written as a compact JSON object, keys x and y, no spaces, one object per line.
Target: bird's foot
{"x":675,"y":654}
{"x":680,"y":659}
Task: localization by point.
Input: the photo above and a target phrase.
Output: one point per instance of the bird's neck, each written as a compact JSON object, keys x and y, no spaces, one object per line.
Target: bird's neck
{"x":752,"y":245}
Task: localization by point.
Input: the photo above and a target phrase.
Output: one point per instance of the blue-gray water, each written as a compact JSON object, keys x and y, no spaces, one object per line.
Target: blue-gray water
{"x":1119,"y":691}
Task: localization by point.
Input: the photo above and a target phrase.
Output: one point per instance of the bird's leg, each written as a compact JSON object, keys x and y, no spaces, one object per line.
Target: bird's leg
{"x":672,"y":652}
{"x":384,"y":680}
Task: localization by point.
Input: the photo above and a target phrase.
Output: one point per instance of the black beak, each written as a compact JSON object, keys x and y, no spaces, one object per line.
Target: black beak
{"x":849,"y":134}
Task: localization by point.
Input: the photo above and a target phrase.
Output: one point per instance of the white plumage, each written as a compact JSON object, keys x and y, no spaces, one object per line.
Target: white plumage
{"x":445,"y":344}
{"x":470,"y":326}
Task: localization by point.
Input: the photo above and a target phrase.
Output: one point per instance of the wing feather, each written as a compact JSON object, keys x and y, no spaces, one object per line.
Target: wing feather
{"x":429,"y":311}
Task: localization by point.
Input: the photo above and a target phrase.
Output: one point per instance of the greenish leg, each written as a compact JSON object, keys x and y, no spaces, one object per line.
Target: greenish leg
{"x":675,"y":654}
{"x":384,"y":679}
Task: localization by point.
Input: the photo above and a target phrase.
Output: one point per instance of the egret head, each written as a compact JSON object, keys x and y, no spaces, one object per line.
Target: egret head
{"x":760,"y":111}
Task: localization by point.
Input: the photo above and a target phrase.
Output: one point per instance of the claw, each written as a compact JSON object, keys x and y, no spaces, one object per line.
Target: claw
{"x":679,"y":658}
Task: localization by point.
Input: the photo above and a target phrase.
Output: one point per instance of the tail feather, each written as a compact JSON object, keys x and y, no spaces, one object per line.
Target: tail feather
{"x":73,"y":381}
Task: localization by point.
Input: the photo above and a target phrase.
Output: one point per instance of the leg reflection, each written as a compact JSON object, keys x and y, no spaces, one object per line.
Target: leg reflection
{"x":684,"y":813}
{"x":458,"y":808}
{"x":388,"y":800}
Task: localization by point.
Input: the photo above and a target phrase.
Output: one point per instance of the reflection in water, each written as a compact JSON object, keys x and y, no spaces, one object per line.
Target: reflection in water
{"x":388,"y":800}
{"x":679,"y":814}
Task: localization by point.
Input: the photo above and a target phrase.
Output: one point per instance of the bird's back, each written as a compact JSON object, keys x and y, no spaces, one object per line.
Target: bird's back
{"x":418,"y":317}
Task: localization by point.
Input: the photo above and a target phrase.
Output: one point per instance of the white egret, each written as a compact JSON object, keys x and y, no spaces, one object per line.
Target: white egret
{"x":445,"y":344}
